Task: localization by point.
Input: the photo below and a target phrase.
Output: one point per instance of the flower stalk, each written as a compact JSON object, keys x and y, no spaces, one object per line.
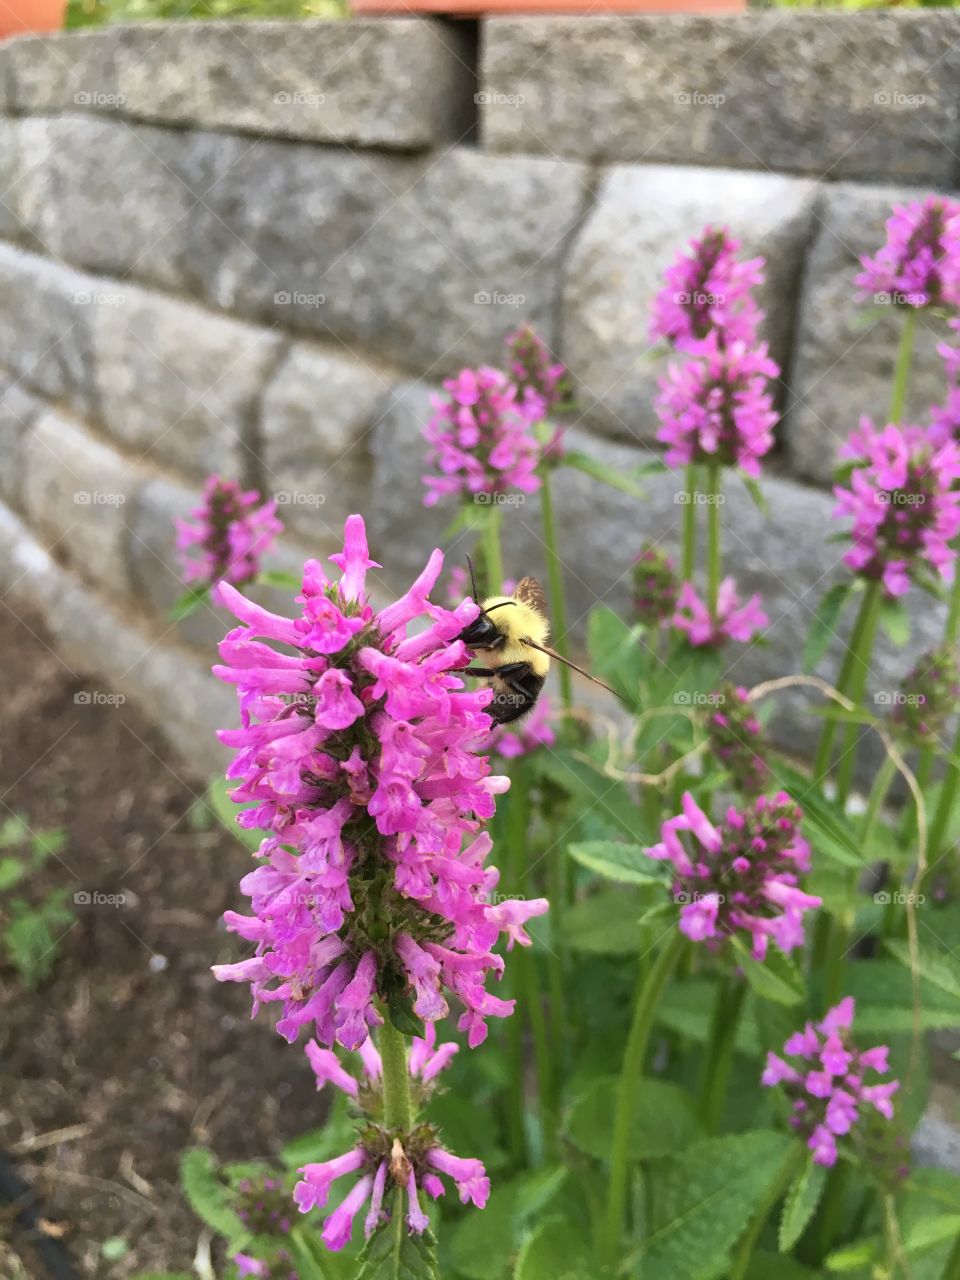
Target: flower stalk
{"x":714,"y":548}
{"x":557,"y":597}
{"x":901,"y":372}
{"x":397,"y":1104}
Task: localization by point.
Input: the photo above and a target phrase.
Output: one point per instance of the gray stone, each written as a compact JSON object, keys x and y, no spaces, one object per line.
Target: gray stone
{"x":317,"y":418}
{"x":845,"y":348}
{"x":18,"y":412}
{"x":426,"y":263}
{"x":62,"y":207}
{"x":865,"y":95}
{"x":77,"y":493}
{"x":405,"y":83}
{"x":177,"y":383}
{"x":10,"y":227}
{"x":643,"y":217}
{"x":64,"y":72}
{"x":45,"y":328}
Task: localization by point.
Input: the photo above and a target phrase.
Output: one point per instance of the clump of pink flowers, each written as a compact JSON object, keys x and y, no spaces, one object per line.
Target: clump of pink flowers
{"x":734,"y":735}
{"x":382,"y":1159}
{"x":718,"y":407}
{"x":741,"y":876}
{"x":542,"y":381}
{"x":362,"y":756}
{"x":902,"y":501}
{"x":481,"y":437}
{"x":927,"y":698}
{"x":827,"y":1080}
{"x":919,"y":263}
{"x":734,"y":620}
{"x":227,"y":535}
{"x":707,"y":291}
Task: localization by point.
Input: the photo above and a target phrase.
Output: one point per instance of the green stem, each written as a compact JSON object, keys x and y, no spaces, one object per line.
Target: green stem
{"x":719,"y":1056}
{"x":558,"y":600}
{"x":952,"y":1270}
{"x":821,"y":763}
{"x":941,"y":818}
{"x":778,"y":1188}
{"x":952,"y":629}
{"x":713,"y":537}
{"x":397,"y":1104}
{"x":649,"y":988}
{"x":857,"y":686}
{"x":492,"y":556}
{"x":689,"y":560}
{"x":515,"y":846}
{"x":901,"y":373}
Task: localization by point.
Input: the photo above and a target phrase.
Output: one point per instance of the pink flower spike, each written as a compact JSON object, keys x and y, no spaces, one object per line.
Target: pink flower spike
{"x":469,"y":1175}
{"x":879,"y":1095}
{"x":803,"y":1044}
{"x":776,"y":1071}
{"x":840,"y":1017}
{"x":823,"y":1145}
{"x":512,"y":914}
{"x":417,"y":1220}
{"x":354,"y":560}
{"x":376,"y":1214}
{"x":314,"y":1189}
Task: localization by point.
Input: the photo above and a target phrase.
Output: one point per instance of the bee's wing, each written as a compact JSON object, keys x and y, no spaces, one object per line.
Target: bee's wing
{"x":530,"y":592}
{"x":552,"y":653}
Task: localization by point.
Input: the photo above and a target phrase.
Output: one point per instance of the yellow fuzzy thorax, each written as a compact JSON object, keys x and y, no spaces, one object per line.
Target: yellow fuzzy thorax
{"x":518,"y":622}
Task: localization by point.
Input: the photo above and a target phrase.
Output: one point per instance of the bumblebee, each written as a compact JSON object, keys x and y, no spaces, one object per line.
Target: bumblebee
{"x":511,"y":632}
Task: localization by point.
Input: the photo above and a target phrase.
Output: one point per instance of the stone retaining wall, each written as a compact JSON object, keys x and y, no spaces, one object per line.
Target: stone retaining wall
{"x":257,"y":248}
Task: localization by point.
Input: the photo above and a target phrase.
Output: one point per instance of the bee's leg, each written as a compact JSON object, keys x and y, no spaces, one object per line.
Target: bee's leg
{"x":473,"y":671}
{"x":524,"y":686}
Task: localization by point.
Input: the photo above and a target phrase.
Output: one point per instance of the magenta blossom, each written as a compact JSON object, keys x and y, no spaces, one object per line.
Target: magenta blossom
{"x":826,"y":1080}
{"x":481,"y":437}
{"x":384,"y":1159}
{"x":524,"y":736}
{"x":362,"y":755}
{"x":735,"y":740}
{"x":901,"y":499}
{"x":655,"y":586}
{"x":718,"y":407}
{"x":232,"y":532}
{"x":734,"y":621}
{"x":919,"y":265}
{"x":543,"y":382}
{"x":741,"y":876}
{"x":707,"y":292}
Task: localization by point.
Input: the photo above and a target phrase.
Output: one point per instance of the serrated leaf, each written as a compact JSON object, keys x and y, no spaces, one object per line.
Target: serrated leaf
{"x":392,"y":1253}
{"x":665,"y":1119}
{"x":616,"y":479}
{"x":206,"y":1194}
{"x":702,"y":1200}
{"x":624,"y":863}
{"x":775,"y":978}
{"x":616,"y":655}
{"x":606,"y":923}
{"x":937,"y":967}
{"x":823,"y":628}
{"x":314,"y":1261}
{"x":800,"y":1204}
{"x":555,"y":1251}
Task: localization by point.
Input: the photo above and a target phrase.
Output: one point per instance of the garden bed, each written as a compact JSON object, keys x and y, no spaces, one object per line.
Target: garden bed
{"x":130,"y":1048}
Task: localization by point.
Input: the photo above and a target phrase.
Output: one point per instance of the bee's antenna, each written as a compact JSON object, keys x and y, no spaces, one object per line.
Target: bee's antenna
{"x":473,"y":581}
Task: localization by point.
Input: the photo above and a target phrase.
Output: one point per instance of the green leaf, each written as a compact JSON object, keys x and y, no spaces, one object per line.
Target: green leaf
{"x":616,"y":653}
{"x":14,"y":831}
{"x":823,"y":628}
{"x":207,"y":1195}
{"x":702,"y":1200}
{"x":756,"y":493}
{"x":12,"y":871}
{"x":400,"y":1009}
{"x":853,"y":1257}
{"x":277,"y":578}
{"x":895,"y":621}
{"x":625,"y":863}
{"x":776,"y":978}
{"x":392,"y":1253}
{"x":800,"y":1204}
{"x":114,"y":1249}
{"x":45,"y":844}
{"x":603,"y":797}
{"x":606,"y":923}
{"x":625,"y":481}
{"x":188,"y":603}
{"x":483,"y":1243}
{"x":665,"y":1121}
{"x":320,"y":1144}
{"x":218,"y":798}
{"x":314,"y":1261}
{"x":828,"y":828}
{"x":937,"y":967}
{"x":33,"y":934}
{"x":555,"y":1251}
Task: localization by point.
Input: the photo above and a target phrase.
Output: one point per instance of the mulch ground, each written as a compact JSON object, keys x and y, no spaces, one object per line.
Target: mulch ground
{"x":129,"y":1052}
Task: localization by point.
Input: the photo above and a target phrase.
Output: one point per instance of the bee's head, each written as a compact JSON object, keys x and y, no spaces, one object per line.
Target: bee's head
{"x":482,"y":633}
